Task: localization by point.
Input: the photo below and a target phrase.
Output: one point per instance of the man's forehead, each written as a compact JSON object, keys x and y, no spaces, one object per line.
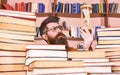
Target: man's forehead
{"x":52,"y":24}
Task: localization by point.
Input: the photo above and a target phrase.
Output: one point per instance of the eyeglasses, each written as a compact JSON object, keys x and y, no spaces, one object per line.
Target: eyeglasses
{"x":54,"y":28}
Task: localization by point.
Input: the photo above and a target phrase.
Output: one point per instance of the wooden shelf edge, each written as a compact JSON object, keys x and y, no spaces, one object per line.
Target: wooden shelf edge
{"x":68,"y":15}
{"x":113,"y":15}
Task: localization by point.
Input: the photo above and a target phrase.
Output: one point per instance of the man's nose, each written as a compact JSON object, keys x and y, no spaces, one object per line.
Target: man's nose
{"x":58,"y":30}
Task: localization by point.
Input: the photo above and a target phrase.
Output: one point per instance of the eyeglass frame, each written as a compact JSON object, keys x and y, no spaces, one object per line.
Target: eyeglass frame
{"x":53,"y":28}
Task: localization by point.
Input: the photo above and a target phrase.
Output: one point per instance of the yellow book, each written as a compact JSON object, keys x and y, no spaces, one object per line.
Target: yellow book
{"x":86,"y":54}
{"x":16,"y":27}
{"x":55,"y":64}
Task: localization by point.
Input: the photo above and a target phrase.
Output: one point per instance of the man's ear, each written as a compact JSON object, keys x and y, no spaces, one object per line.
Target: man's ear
{"x":45,"y":37}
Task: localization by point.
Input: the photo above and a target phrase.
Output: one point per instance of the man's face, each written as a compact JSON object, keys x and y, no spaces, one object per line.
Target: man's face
{"x":55,"y":34}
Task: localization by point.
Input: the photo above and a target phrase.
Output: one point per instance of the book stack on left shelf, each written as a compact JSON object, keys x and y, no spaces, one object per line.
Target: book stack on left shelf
{"x":16,"y":30}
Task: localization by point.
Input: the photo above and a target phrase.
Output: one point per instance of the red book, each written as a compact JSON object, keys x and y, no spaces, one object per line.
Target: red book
{"x":8,"y":7}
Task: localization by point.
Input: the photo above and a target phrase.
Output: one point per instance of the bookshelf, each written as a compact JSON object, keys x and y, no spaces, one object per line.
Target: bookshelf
{"x":104,"y":17}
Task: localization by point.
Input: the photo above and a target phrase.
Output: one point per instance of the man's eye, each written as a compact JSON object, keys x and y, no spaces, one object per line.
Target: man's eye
{"x":54,"y":28}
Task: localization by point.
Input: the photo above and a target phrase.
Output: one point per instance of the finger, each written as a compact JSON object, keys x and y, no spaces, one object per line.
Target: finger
{"x":83,"y":33}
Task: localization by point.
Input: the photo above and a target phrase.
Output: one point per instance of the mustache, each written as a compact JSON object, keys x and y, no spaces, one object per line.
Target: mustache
{"x":61,"y":34}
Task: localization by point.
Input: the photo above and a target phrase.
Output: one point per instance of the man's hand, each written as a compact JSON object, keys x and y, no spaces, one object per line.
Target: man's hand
{"x":87,"y":35}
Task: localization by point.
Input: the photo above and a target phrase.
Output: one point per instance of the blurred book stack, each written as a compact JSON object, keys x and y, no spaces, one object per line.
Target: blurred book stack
{"x":109,"y":41}
{"x":17,"y":29}
{"x":57,"y":67}
{"x":93,"y":61}
{"x":36,"y":52}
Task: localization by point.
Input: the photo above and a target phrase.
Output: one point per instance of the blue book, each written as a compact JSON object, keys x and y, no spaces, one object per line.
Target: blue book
{"x":77,"y":8}
{"x":41,"y":8}
{"x":95,"y":31}
{"x":73,"y":8}
{"x":78,"y":32}
{"x":58,"y":7}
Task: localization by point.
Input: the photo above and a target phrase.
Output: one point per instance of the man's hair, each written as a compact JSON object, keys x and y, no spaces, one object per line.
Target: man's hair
{"x":50,"y":19}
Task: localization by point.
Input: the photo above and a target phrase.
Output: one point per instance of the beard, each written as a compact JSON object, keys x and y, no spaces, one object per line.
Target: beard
{"x":59,"y":39}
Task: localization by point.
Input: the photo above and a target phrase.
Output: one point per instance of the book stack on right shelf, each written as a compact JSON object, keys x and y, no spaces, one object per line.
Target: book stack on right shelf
{"x":16,"y":30}
{"x":109,"y":41}
{"x":93,"y":61}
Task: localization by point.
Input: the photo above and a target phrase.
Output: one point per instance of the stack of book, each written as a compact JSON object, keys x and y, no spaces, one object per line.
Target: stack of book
{"x":93,"y":61}
{"x":109,"y":36}
{"x":44,"y":52}
{"x":16,"y":30}
{"x":114,"y":57}
{"x":109,"y":41}
{"x":57,"y":67}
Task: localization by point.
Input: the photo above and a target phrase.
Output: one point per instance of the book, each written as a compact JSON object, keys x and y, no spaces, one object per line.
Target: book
{"x":11,"y":53}
{"x":24,"y":15}
{"x":108,"y":49}
{"x":93,"y":60}
{"x":31,"y":59}
{"x":45,"y":53}
{"x":86,"y":54}
{"x":11,"y":67}
{"x":14,"y":27}
{"x":113,"y":73}
{"x":13,"y":47}
{"x":13,"y":73}
{"x":109,"y":29}
{"x":19,"y":21}
{"x":49,"y":47}
{"x":112,"y":53}
{"x":103,"y":42}
{"x":115,"y":63}
{"x":18,"y":12}
{"x":108,"y":33}
{"x":70,"y":70}
{"x":78,"y":73}
{"x":55,"y":64}
{"x":92,"y":64}
{"x":116,"y":68}
{"x":5,"y":40}
{"x":109,"y":40}
{"x":108,"y":46}
{"x":19,"y":37}
{"x":11,"y":60}
{"x":99,"y":69}
{"x":17,"y":32}
{"x":8,"y":6}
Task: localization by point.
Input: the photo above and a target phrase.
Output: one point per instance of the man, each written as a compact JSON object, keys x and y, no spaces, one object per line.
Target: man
{"x":51,"y":32}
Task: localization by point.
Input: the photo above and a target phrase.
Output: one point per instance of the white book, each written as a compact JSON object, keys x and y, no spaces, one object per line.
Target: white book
{"x":93,"y":60}
{"x":109,"y":38}
{"x":17,"y":14}
{"x":45,"y":53}
{"x":100,"y":69}
{"x":17,"y":21}
{"x":29,"y":60}
{"x":90,"y":64}
{"x":107,"y":46}
{"x":46,"y":47}
{"x":34,"y":7}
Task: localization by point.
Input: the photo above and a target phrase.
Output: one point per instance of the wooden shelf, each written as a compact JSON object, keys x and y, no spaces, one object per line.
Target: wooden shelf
{"x":114,"y":15}
{"x":68,"y":15}
{"x":44,"y":14}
